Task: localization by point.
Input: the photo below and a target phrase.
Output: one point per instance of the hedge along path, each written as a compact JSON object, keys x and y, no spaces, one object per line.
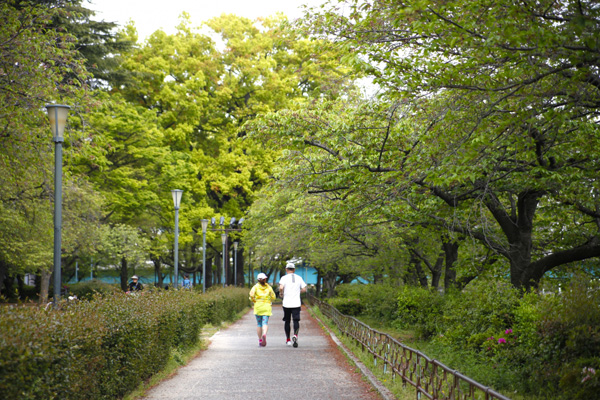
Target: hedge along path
{"x":103,"y":348}
{"x":235,"y":367}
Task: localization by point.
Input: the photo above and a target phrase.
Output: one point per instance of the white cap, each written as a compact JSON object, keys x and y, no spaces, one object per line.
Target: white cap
{"x":290,"y":266}
{"x":134,"y":277}
{"x":261,"y":276}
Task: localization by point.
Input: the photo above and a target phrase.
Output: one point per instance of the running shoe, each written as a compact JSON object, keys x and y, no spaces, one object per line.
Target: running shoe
{"x":295,"y":340}
{"x":264,"y":340}
{"x":288,"y":342}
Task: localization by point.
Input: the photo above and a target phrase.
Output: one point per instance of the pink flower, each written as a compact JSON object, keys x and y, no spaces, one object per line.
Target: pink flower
{"x":508,"y":331}
{"x":589,"y":371}
{"x":501,"y":340}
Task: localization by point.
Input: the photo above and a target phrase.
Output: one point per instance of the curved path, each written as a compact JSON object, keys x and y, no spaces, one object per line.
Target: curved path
{"x":234,"y":367}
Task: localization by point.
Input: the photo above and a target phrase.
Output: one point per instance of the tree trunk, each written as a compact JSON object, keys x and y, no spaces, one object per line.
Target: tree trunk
{"x":451,"y":253}
{"x":436,"y":272}
{"x":518,"y":229}
{"x":20,"y":286}
{"x":38,"y":283}
{"x":124,"y":274}
{"x":44,"y":285}
{"x":377,"y":278}
{"x":417,"y":275}
{"x":157,"y":272}
{"x":435,"y":269}
{"x":274,"y":281}
{"x":240,"y":268}
{"x":3,"y":275}
{"x":329,"y":282}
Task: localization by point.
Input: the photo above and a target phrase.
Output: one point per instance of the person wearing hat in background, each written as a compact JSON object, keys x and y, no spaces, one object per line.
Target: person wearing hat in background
{"x":290,"y":287}
{"x":262,"y":295}
{"x":134,"y":285}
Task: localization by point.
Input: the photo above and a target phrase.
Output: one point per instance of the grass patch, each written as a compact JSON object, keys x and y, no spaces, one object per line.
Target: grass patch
{"x":394,"y":385}
{"x":401,"y":335}
{"x":180,"y":358}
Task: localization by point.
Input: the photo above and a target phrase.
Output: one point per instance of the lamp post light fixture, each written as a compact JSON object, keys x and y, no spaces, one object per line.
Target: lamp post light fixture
{"x":176,"y":201}
{"x":58,"y":118}
{"x":224,"y":240}
{"x":204,"y":226}
{"x":235,"y":249}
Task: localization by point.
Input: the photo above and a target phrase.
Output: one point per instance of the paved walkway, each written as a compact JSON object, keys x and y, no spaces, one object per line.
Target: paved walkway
{"x":234,"y":367}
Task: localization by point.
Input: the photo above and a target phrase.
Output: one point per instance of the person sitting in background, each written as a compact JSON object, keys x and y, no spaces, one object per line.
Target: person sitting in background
{"x":135,"y":285}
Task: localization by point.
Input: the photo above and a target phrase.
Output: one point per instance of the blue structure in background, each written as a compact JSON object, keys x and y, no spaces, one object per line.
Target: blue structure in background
{"x":309,"y":275}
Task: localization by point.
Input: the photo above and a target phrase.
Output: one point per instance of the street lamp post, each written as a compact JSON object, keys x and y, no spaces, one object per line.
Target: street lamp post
{"x":222,"y":228}
{"x":204,"y":226}
{"x":235,"y":249}
{"x":58,"y":118}
{"x":176,"y":201}
{"x":224,"y":240}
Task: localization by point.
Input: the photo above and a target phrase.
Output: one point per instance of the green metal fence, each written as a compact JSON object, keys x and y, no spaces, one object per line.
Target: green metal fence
{"x":431,"y":379}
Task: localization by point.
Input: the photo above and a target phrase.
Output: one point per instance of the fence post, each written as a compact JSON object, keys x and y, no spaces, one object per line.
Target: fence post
{"x":418,"y":377}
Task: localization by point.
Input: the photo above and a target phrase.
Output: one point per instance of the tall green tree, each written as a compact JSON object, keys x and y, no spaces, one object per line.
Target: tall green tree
{"x":187,"y":100}
{"x":345,"y":153}
{"x":100,"y":45}
{"x":34,"y":64}
{"x":506,"y":96}
{"x":123,"y":245}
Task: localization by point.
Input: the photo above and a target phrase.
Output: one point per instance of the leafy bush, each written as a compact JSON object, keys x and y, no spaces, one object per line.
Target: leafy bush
{"x":352,"y":307}
{"x":422,"y":310}
{"x":48,"y":354}
{"x":485,"y":310}
{"x":86,"y":290}
{"x":376,"y":301}
{"x":103,"y":348}
{"x":559,"y":346}
{"x":544,"y":345}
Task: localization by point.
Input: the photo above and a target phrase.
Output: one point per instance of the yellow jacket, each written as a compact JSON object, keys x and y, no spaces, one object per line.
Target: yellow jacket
{"x":262,"y":296}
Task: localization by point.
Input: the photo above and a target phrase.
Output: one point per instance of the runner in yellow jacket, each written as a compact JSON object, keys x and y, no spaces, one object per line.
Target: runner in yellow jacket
{"x":262,"y":295}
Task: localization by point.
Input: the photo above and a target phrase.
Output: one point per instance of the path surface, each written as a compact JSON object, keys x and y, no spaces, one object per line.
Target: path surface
{"x":234,"y":367}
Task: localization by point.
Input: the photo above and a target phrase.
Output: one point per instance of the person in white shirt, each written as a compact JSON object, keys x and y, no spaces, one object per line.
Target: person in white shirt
{"x":290,"y":287}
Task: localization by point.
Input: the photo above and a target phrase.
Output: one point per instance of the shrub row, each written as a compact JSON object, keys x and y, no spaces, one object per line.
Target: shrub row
{"x":103,"y":348}
{"x":543,"y":344}
{"x":377,"y":301}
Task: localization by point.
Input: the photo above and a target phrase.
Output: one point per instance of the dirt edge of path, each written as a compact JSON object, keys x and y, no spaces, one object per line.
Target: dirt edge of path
{"x":384,"y":392}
